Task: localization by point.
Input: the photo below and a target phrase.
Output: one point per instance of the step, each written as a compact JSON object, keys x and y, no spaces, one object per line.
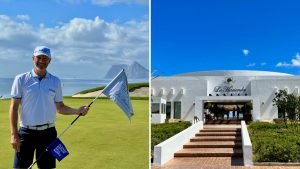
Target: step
{"x":218,"y":134}
{"x":209,"y":152}
{"x":223,"y":122}
{"x":214,"y":138}
{"x":220,"y":130}
{"x":213,"y":144}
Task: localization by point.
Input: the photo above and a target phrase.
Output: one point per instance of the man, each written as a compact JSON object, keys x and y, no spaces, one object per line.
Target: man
{"x":238,"y":110}
{"x":40,"y":95}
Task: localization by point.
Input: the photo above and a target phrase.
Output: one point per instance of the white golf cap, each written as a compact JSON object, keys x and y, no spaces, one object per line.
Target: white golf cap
{"x":42,"y":50}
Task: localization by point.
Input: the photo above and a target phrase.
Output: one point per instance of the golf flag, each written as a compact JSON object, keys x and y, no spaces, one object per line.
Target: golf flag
{"x":57,"y":149}
{"x":117,"y":90}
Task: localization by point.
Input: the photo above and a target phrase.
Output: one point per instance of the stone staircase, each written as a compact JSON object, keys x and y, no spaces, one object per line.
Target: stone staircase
{"x":213,"y":142}
{"x":224,"y":121}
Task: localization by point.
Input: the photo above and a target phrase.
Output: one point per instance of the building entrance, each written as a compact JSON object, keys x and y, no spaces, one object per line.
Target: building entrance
{"x":220,"y":110}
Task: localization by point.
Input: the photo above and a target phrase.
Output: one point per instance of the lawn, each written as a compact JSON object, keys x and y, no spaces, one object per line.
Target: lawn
{"x":103,"y":139}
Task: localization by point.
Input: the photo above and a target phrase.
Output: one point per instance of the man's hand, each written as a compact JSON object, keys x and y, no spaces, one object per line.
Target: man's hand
{"x":83,"y":110}
{"x":66,"y":110}
{"x":15,"y":142}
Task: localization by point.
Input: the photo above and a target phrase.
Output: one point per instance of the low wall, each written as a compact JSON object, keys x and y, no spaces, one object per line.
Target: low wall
{"x":158,"y":118}
{"x":247,"y":145}
{"x":164,"y":151}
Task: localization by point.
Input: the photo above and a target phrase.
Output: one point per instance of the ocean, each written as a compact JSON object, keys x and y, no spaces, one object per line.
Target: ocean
{"x":69,"y":86}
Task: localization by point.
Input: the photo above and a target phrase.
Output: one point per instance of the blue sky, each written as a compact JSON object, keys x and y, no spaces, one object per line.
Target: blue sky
{"x":191,"y":36}
{"x":86,"y":36}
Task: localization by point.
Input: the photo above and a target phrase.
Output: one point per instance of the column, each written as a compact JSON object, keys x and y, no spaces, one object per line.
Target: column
{"x":199,"y":109}
{"x":172,"y":109}
{"x":256,"y":110}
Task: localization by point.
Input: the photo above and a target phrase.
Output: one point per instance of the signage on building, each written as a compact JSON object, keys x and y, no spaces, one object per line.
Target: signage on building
{"x":228,"y":87}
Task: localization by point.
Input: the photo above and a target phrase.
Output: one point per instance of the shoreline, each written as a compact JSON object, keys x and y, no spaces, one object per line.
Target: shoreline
{"x":140,"y":92}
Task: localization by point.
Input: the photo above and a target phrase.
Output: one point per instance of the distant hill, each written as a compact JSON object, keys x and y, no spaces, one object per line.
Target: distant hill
{"x":114,"y":70}
{"x":133,"y":71}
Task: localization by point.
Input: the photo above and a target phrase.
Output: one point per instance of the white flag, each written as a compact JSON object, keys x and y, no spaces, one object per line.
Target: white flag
{"x":117,"y":90}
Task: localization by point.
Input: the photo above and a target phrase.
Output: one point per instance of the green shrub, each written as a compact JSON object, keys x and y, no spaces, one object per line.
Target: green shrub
{"x":161,"y":132}
{"x":270,"y":150}
{"x":280,"y":120}
{"x":274,"y":142}
{"x":264,"y":126}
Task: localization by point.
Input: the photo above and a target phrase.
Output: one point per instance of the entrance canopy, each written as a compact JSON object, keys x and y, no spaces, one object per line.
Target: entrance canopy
{"x":227,"y":99}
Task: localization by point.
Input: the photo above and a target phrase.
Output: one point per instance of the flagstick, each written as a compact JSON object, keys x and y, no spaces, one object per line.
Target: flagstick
{"x":90,"y":104}
{"x":78,"y":117}
{"x":65,"y":130}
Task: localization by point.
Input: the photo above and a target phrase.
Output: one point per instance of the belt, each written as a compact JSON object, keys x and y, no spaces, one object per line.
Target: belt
{"x":40,"y":127}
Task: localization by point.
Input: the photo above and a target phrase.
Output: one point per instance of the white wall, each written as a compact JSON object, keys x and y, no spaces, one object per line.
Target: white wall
{"x":265,"y":89}
{"x":158,"y":118}
{"x":247,"y":145}
{"x":260,"y":88}
{"x":237,"y":83}
{"x":175,"y":86}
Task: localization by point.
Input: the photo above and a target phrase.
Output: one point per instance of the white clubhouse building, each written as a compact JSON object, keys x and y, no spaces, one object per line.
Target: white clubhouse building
{"x":183,"y":96}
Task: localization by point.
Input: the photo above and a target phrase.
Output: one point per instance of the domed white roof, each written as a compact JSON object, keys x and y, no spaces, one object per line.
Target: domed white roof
{"x":235,"y":73}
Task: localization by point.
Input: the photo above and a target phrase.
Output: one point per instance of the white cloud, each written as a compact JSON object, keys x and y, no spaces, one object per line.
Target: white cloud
{"x":245,"y":52}
{"x":23,"y":17}
{"x":15,"y":35}
{"x":254,"y":64}
{"x":282,"y":64}
{"x":294,"y":62}
{"x":263,"y":63}
{"x":251,"y":64}
{"x":112,"y":2}
{"x":75,"y":2}
{"x":80,"y":43}
{"x":105,"y":2}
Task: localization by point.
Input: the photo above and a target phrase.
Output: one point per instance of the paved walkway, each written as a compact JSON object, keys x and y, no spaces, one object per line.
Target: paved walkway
{"x":214,"y":163}
{"x":201,"y":163}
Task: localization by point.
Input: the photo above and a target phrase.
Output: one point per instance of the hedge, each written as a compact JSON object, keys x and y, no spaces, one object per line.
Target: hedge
{"x":274,"y":142}
{"x":161,"y":132}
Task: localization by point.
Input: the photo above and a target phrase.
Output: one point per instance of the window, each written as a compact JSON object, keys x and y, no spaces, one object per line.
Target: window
{"x":168,"y":110}
{"x":155,"y":108}
{"x":177,"y":110}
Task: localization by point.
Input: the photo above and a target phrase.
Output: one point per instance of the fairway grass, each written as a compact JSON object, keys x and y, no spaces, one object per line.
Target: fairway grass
{"x":103,"y":139}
